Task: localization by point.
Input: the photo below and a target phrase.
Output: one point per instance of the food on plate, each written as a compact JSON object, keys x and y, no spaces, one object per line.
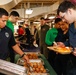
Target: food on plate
{"x":61,"y":50}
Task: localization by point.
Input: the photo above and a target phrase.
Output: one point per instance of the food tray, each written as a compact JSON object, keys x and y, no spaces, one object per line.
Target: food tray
{"x":21,"y":61}
{"x":37,"y":53}
{"x":38,"y":74}
{"x":34,"y":61}
{"x":64,"y":50}
{"x":33,"y":55}
{"x":38,"y":68}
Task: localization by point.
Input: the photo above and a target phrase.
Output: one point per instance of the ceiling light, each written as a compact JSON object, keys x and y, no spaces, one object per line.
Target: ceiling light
{"x":51,"y":17}
{"x":29,"y":11}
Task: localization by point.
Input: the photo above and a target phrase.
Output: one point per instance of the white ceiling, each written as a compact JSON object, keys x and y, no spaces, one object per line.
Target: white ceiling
{"x":19,"y":4}
{"x":3,"y":2}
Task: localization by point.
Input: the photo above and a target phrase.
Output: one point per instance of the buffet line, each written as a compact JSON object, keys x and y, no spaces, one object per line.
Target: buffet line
{"x":36,"y":66}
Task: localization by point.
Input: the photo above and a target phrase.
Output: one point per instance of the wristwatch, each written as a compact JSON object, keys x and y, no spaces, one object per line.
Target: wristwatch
{"x":22,"y":55}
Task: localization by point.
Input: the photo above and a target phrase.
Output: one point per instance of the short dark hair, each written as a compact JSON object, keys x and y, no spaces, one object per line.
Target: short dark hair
{"x":3,"y":12}
{"x":14,"y":13}
{"x":42,"y":18}
{"x":58,"y":20}
{"x":64,"y":6}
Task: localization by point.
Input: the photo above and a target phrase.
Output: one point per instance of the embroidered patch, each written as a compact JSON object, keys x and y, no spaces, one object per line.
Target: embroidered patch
{"x":6,"y":34}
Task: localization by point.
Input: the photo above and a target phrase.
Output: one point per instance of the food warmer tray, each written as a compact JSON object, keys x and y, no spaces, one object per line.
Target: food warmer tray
{"x":38,"y":53}
{"x":38,"y":74}
{"x":9,"y":68}
{"x":21,"y":61}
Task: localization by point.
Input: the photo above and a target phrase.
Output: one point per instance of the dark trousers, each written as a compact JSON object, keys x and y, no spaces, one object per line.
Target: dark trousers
{"x":72,"y":71}
{"x":71,"y":65}
{"x":60,"y":64}
{"x":51,"y":57}
{"x":11,"y":55}
{"x":2,"y":74}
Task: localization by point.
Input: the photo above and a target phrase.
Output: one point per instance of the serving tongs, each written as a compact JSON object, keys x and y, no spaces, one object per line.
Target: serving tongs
{"x":30,"y":68}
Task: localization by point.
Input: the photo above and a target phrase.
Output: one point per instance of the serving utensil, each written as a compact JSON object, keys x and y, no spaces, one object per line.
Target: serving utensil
{"x":30,"y":68}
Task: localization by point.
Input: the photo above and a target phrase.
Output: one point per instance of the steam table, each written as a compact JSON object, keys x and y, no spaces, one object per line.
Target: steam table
{"x":47,"y":65}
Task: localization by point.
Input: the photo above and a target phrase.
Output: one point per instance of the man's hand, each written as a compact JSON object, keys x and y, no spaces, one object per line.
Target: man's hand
{"x":25,"y":57}
{"x":60,"y":44}
{"x":74,"y":52}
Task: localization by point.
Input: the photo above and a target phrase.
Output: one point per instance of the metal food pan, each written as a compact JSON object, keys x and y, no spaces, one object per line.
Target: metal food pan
{"x":32,"y":73}
{"x":37,"y":53}
{"x":38,"y":69}
{"x":21,"y":61}
{"x":37,"y":60}
{"x":38,"y":74}
{"x":33,"y":55}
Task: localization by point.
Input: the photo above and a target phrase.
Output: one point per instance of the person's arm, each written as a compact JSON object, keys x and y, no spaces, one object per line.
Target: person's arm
{"x":20,"y":52}
{"x":63,"y":44}
{"x":47,"y":38}
{"x":74,"y":52}
{"x":16,"y":48}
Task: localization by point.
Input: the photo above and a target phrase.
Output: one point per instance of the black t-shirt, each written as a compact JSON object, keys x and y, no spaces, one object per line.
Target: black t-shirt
{"x":6,"y":38}
{"x":61,"y":37}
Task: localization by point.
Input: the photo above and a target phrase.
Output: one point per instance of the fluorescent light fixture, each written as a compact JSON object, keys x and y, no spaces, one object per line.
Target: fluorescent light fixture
{"x":29,"y":11}
{"x":51,"y":17}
